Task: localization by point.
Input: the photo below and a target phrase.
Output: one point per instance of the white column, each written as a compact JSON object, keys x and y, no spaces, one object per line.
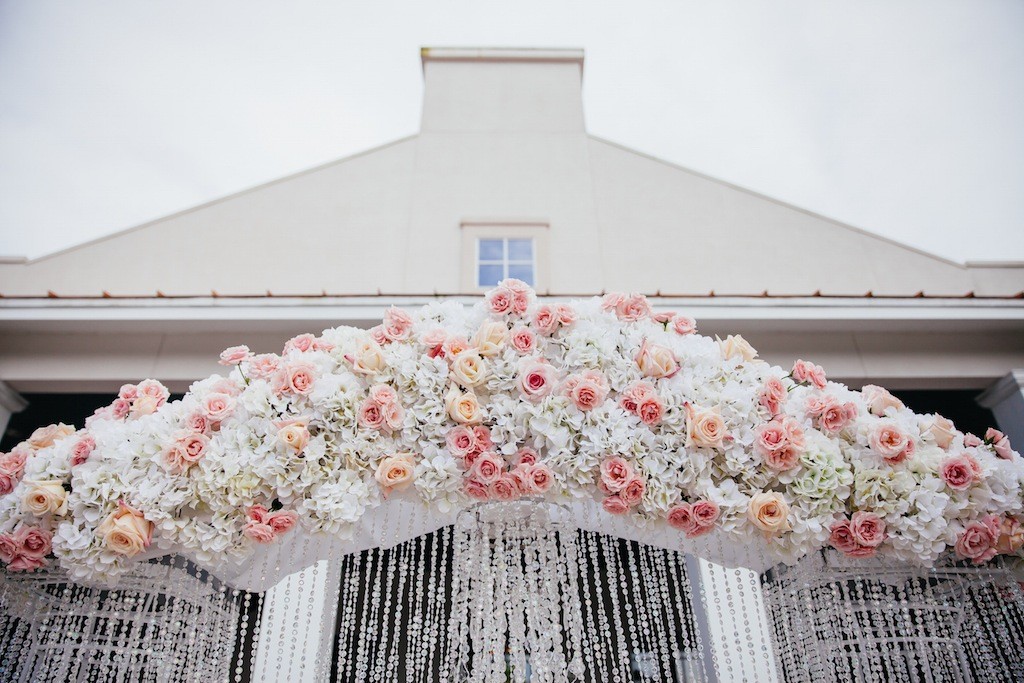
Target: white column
{"x":11,"y":402}
{"x":1005,"y":399}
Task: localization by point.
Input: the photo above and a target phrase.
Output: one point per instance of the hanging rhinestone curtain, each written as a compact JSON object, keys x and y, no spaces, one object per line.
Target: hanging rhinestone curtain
{"x":513,"y":593}
{"x":166,"y":621}
{"x":836,"y":619}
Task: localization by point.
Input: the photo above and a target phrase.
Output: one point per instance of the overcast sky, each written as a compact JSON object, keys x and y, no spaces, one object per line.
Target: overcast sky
{"x":903,"y":118}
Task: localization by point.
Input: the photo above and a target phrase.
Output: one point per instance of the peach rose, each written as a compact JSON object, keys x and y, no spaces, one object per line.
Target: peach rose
{"x":395,"y":472}
{"x":45,"y":497}
{"x":143,"y":405}
{"x":704,"y":428}
{"x":468,"y":368}
{"x":735,"y":346}
{"x":489,"y":339}
{"x":44,"y":437}
{"x":536,"y":380}
{"x":879,"y":400}
{"x":125,"y":531}
{"x":942,"y":430}
{"x":294,"y":436}
{"x":769,"y":513}
{"x":656,"y":361}
{"x":464,"y":408}
{"x":368,"y":358}
{"x":1011,"y":536}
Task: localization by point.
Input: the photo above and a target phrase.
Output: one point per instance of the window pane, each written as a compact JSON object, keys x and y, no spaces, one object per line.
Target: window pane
{"x":521,"y":272}
{"x":490,"y":250}
{"x":520,"y":250}
{"x":490,"y":275}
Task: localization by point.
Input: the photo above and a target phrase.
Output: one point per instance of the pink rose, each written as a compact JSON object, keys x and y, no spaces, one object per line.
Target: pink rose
{"x":264,"y":365}
{"x":651,"y":410}
{"x":504,"y":488}
{"x":487,"y":468}
{"x":628,"y":308}
{"x":868,"y":529}
{"x":780,"y":443}
{"x":891,"y":442}
{"x":615,"y":505}
{"x":536,"y":380}
{"x":282,"y":520}
{"x":526,"y":456}
{"x":434,"y":341}
{"x":566,"y":314}
{"x":378,"y":335}
{"x":475,"y":489}
{"x":662,"y":317}
{"x":772,"y":395}
{"x":684,"y":324}
{"x":8,"y":548}
{"x":258,"y":513}
{"x":461,"y":441}
{"x":842,"y":538}
{"x":453,"y":346}
{"x":397,"y":324}
{"x":193,"y":446}
{"x":218,"y":407}
{"x":958,"y":473}
{"x":7,"y":482}
{"x":635,"y":394}
{"x":705,"y":514}
{"x":633,"y":492}
{"x":120,"y":408}
{"x":155,"y":390}
{"x":24,"y":563}
{"x":805,"y":372}
{"x":261,"y":533}
{"x":82,"y":449}
{"x":879,"y":400}
{"x":234,"y":355}
{"x":523,"y":340}
{"x":836,"y":417}
{"x":499,"y":300}
{"x":541,"y":476}
{"x":942,"y":430}
{"x":977,"y":543}
{"x":371,"y":415}
{"x":545,"y":319}
{"x":383,"y":395}
{"x":1000,"y":443}
{"x":301,"y":343}
{"x":128,"y":392}
{"x":971,"y":441}
{"x":197,"y":422}
{"x":296,"y":377}
{"x":587,"y":389}
{"x":32,"y":542}
{"x":616,"y":472}
{"x":681,"y":517}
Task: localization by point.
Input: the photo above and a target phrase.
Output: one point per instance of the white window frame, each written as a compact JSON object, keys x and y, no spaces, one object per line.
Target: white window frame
{"x":506,"y":259}
{"x":474,"y":230}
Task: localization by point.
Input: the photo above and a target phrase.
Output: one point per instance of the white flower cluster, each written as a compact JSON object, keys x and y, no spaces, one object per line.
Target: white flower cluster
{"x":602,"y":398}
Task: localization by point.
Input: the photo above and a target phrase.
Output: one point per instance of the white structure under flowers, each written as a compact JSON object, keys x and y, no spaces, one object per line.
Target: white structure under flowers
{"x":599,"y":400}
